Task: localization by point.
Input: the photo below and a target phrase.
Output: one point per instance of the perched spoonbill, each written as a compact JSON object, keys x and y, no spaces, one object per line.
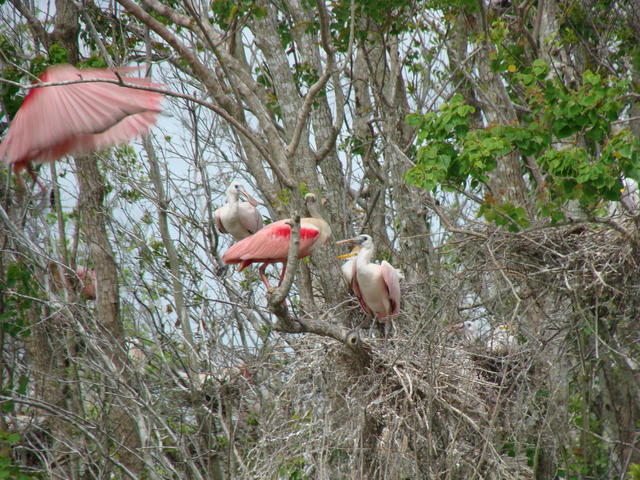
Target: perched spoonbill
{"x":377,"y":287}
{"x":78,"y":118}
{"x":240,"y":219}
{"x":271,"y":243}
{"x":495,"y":339}
{"x":86,"y":280}
{"x":87,"y":277}
{"x":347,"y":267}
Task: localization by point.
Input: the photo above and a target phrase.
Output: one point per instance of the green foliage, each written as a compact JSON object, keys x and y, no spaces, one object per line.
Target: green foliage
{"x":391,"y":17}
{"x":10,"y":94}
{"x":634,"y":472}
{"x":438,"y":160}
{"x":19,"y":289}
{"x":284,"y":197}
{"x":8,"y":469}
{"x":293,"y":469}
{"x":305,"y":74}
{"x":587,"y":456}
{"x":585,"y":22}
{"x":95,"y":61}
{"x":250,"y":280}
{"x":115,"y":33}
{"x":567,"y":133}
{"x":10,"y":388}
{"x":58,"y":54}
{"x":454,"y":7}
{"x":504,"y":214}
{"x":227,"y":12}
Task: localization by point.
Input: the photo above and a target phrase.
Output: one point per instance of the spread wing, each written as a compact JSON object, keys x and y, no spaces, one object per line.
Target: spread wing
{"x":57,"y":120}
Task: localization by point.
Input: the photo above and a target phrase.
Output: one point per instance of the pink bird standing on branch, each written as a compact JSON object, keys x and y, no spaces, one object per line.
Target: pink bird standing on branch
{"x":86,"y":280}
{"x":377,"y":287}
{"x":271,"y":243}
{"x":78,"y":118}
{"x":240,"y":219}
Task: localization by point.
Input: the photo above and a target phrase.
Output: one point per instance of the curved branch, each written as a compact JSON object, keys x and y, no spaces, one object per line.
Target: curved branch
{"x":304,"y":112}
{"x":325,"y":36}
{"x":170,"y":13}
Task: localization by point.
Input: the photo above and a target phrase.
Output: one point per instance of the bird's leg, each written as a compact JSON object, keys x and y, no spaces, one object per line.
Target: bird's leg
{"x":384,"y":330}
{"x":263,"y":275}
{"x":284,"y":269}
{"x":34,"y":176}
{"x":364,"y":323}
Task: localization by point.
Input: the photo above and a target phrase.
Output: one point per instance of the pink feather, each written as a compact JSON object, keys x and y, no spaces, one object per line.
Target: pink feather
{"x":271,"y":244}
{"x":79,"y":118}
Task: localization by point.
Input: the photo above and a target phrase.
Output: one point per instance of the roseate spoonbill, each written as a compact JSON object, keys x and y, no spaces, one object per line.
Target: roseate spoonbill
{"x":347,"y":267}
{"x":86,"y":280}
{"x":271,"y":243}
{"x":78,"y":118}
{"x":377,"y":287}
{"x":87,"y":277}
{"x":495,"y":339}
{"x":240,"y":219}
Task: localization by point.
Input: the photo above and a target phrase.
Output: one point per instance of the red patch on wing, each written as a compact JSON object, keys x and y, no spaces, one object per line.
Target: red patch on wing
{"x":35,"y":91}
{"x":305,"y":232}
{"x":282,"y":231}
{"x":308,"y":233}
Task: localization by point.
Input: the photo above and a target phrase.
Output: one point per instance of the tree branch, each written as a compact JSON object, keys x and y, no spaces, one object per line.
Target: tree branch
{"x":204,"y":74}
{"x":304,"y":112}
{"x":277,"y":296}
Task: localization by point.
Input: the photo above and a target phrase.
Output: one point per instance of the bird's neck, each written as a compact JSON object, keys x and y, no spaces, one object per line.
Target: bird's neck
{"x":233,"y":201}
{"x":365,"y":256}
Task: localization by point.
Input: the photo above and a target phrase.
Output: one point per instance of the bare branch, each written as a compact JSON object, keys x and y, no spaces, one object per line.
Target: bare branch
{"x":280,"y":293}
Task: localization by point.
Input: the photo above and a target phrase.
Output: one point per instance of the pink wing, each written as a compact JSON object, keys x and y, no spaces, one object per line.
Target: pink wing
{"x":392,"y":280}
{"x":355,"y":286}
{"x":271,"y":243}
{"x":87,"y":278}
{"x":219,"y":225}
{"x":55,"y":121}
{"x":250,"y":218}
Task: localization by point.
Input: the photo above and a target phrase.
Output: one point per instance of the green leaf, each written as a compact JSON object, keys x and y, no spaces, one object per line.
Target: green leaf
{"x":539,"y":68}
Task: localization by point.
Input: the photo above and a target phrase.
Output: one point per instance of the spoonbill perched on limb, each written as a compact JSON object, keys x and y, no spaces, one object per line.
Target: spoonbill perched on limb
{"x":498,"y":339}
{"x":271,"y":243}
{"x":86,"y":279}
{"x":347,"y":267}
{"x":58,"y":120}
{"x":377,"y":287}
{"x":240,"y":219}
